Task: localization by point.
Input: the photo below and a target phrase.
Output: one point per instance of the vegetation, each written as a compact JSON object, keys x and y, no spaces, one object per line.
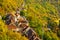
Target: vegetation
{"x":6,"y":34}
{"x":42,"y":16}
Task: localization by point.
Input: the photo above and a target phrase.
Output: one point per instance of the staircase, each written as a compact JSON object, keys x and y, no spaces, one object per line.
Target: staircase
{"x":23,"y":27}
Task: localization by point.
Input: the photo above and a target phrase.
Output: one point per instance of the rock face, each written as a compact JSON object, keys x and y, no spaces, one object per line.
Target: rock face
{"x":22,"y":26}
{"x":0,"y":17}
